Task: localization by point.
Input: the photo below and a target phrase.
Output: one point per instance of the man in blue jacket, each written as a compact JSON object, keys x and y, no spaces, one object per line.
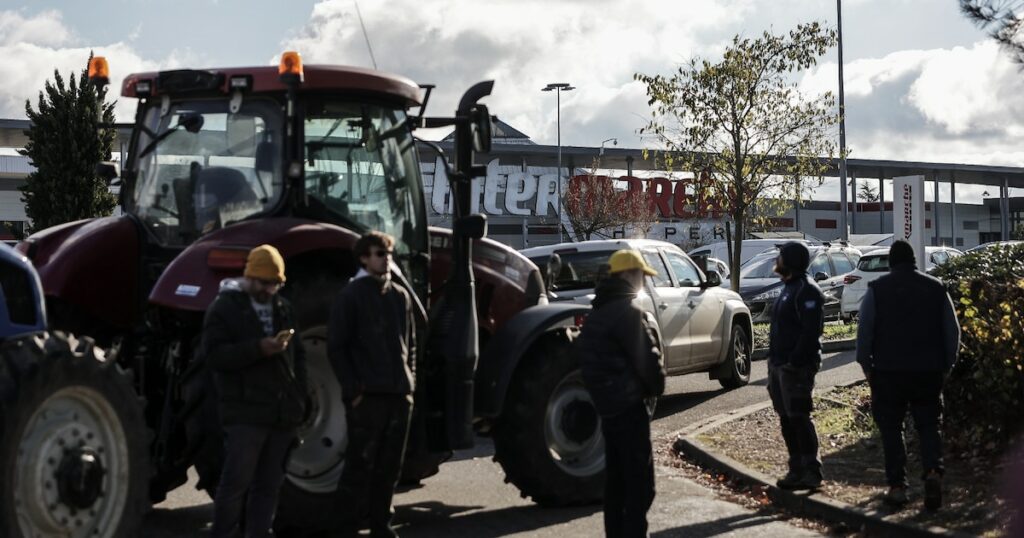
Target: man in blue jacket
{"x":907,"y":342}
{"x":794,"y":356}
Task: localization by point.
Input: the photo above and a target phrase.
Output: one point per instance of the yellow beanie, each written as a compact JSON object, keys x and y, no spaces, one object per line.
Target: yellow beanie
{"x":265,"y":263}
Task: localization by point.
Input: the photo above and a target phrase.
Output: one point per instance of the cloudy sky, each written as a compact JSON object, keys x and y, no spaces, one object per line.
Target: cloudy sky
{"x":922,"y":82}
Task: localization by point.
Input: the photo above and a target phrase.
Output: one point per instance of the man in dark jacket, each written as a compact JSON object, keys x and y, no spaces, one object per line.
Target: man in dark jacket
{"x":260,"y":374}
{"x":620,"y":358}
{"x":794,"y":356}
{"x":907,"y":342}
{"x":372,"y":346}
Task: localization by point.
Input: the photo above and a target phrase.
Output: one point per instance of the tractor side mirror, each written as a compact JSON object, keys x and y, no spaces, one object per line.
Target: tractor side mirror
{"x":481,"y":129}
{"x":820,"y":275}
{"x":471,"y":226}
{"x":107,"y":171}
{"x":265,"y":157}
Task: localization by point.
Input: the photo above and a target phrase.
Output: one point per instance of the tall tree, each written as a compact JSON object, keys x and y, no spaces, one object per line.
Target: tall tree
{"x":1005,"y":18}
{"x":65,"y":145}
{"x":867,"y":193}
{"x":594,"y":206}
{"x":753,"y":141}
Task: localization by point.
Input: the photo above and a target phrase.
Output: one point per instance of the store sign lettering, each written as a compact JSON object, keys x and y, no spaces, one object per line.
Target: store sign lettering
{"x":535,"y":193}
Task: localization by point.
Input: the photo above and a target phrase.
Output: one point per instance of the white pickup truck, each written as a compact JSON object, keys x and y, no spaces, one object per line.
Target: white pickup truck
{"x":704,"y":327}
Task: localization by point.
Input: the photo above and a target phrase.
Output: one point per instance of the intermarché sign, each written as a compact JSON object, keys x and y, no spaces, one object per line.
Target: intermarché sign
{"x":509,"y":190}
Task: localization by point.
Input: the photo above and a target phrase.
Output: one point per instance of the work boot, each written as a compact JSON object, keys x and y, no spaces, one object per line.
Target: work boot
{"x":932,"y":491}
{"x":791,"y":480}
{"x":896,"y":496}
{"x":809,"y":480}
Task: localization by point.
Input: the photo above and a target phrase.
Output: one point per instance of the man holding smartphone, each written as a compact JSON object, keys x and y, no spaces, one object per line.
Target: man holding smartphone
{"x":371,"y":342}
{"x":260,"y":373}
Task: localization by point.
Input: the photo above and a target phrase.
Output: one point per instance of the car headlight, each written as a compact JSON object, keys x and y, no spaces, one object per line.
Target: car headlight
{"x":769,"y":295}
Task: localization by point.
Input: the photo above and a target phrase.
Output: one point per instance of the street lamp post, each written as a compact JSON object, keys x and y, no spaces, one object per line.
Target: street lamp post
{"x":843,"y":234}
{"x":559,"y":87}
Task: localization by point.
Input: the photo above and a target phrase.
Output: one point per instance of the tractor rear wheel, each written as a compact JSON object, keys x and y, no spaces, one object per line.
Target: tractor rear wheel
{"x":548,"y":439}
{"x":73,"y":455}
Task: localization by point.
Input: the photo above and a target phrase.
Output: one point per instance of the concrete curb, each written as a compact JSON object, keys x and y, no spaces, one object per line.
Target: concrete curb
{"x":831,"y":346}
{"x":814,"y":505}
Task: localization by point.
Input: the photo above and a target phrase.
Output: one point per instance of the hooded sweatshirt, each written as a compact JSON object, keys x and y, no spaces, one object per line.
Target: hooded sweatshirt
{"x":798,"y":314}
{"x":619,"y":350}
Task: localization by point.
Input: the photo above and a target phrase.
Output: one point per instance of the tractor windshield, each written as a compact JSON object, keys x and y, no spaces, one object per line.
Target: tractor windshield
{"x":362,"y":172}
{"x":201,"y":167}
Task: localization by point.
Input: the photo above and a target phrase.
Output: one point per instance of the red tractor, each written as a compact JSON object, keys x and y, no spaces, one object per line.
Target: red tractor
{"x":305,"y":159}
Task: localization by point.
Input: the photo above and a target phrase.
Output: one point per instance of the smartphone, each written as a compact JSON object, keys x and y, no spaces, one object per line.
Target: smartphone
{"x":285,"y":335}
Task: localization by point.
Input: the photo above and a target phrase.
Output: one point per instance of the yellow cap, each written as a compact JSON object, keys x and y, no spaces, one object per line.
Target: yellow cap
{"x":624,"y":260}
{"x":265,"y":263}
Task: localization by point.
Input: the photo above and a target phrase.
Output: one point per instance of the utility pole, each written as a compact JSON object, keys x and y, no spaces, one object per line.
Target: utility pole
{"x":844,"y":235}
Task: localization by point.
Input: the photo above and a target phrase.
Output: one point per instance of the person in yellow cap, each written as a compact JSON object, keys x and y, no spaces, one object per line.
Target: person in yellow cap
{"x":619,"y":352}
{"x":260,"y":374}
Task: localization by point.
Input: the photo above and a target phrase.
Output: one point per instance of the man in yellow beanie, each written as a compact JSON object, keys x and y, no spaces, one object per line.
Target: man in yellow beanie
{"x":619,"y":352}
{"x":260,"y":372}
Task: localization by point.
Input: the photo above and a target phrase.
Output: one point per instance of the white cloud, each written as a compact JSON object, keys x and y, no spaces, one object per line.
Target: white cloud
{"x":523,"y":45}
{"x":32,"y":48}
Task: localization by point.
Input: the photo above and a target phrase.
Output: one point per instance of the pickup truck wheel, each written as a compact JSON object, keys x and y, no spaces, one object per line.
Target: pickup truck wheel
{"x":738,"y":359}
{"x":548,"y":439}
{"x":73,"y":455}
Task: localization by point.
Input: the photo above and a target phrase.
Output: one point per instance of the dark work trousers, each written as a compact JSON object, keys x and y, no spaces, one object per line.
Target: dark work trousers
{"x":790,"y":389}
{"x":891,"y":394}
{"x":377,"y":431}
{"x":254,"y":461}
{"x":629,"y":470}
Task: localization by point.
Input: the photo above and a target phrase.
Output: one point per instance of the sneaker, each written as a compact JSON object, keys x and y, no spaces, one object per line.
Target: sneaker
{"x":897,"y":495}
{"x":790,"y":481}
{"x":932,"y":491}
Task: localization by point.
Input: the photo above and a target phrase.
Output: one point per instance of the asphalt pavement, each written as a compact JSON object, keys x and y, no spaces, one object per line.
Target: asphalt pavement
{"x":470,"y":498}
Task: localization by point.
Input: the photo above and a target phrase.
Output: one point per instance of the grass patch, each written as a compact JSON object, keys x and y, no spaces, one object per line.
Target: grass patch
{"x":854,"y":465}
{"x":834,"y":330}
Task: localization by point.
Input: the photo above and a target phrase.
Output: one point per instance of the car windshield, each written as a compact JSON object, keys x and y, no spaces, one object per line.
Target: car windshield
{"x":362,"y":170}
{"x":579,"y":270}
{"x":874,"y":264}
{"x":202,"y":167}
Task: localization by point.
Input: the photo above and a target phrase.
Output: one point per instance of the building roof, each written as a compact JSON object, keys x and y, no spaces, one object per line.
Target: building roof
{"x":503,"y":133}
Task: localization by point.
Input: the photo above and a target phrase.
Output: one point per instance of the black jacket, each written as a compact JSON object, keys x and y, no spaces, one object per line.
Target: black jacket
{"x":798,"y":317}
{"x":908,"y":324}
{"x":619,"y":350}
{"x":371,"y":338}
{"x":253,"y":389}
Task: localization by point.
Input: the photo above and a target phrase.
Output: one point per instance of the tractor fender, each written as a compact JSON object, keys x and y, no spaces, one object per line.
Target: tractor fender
{"x":192,"y":280}
{"x":91,"y":264}
{"x":509,"y":345}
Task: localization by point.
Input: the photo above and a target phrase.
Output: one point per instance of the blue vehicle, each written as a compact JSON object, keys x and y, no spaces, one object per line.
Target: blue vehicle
{"x":69,"y":448}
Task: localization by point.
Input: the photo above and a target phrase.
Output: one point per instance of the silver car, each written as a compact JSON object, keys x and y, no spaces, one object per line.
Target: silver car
{"x":704,"y":327}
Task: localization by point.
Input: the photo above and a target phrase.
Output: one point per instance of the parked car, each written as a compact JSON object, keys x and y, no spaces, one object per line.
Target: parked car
{"x":751,"y":248}
{"x":760,"y":285}
{"x":704,"y":327}
{"x":875,"y":264}
{"x":993,"y":244}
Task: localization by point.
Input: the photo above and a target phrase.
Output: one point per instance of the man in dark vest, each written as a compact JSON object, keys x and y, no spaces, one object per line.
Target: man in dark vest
{"x":794,"y":357}
{"x":907,"y":342}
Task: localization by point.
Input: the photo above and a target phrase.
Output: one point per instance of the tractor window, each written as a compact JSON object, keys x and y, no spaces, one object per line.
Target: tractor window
{"x":362,"y":171}
{"x":210,"y":168}
{"x":17,"y":294}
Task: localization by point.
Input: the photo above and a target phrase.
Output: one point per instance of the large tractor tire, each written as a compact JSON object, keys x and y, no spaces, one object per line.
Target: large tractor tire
{"x":736,"y":368}
{"x":548,"y":439}
{"x":73,"y":456}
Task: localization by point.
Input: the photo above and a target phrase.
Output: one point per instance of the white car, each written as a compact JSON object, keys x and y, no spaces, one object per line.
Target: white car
{"x":875,"y":264}
{"x":704,"y":327}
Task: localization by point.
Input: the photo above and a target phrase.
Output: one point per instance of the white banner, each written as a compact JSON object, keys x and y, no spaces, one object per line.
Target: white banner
{"x":908,"y":214}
